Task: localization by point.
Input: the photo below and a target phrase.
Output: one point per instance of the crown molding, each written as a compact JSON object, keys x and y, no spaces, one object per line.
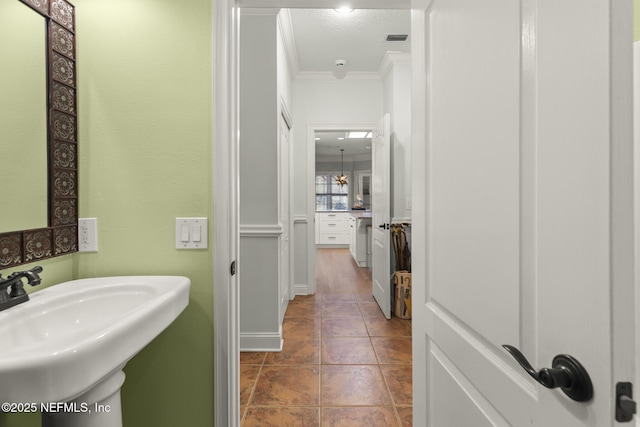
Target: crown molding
{"x":390,"y":59}
{"x":328,"y":76}
{"x":289,"y":41}
{"x":327,"y":4}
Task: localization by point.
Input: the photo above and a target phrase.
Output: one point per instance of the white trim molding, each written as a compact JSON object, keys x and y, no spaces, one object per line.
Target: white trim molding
{"x":261,"y":341}
{"x":300,"y":219}
{"x":301,"y":289}
{"x":261,"y":11}
{"x":328,"y":76}
{"x":390,"y":59}
{"x":261,"y":230}
{"x":401,"y":220}
{"x":289,"y":41}
{"x":327,"y":4}
{"x":226,"y":300}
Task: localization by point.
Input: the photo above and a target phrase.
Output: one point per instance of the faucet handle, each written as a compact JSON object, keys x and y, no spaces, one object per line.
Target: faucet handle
{"x":17,"y":290}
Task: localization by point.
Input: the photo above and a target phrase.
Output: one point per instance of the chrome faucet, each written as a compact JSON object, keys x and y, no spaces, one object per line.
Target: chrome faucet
{"x":17,"y":294}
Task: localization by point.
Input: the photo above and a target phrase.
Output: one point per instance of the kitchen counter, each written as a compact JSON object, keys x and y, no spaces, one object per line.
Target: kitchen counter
{"x":360,"y":214}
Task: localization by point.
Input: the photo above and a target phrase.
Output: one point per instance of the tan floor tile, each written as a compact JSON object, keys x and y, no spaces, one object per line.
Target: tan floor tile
{"x":293,"y":327}
{"x":392,"y":350}
{"x":338,"y":298}
{"x":248,"y":376}
{"x":296,"y":351}
{"x":348,"y":309}
{"x":371,"y":309}
{"x":353,"y":385}
{"x":347,"y":351}
{"x":399,"y":380}
{"x":287,"y":385}
{"x":252,"y":358}
{"x":282,"y":417}
{"x":365,"y":297}
{"x":303,"y":309}
{"x":375,"y":416}
{"x":243,"y":409}
{"x":344,"y":327}
{"x":306,"y":298}
{"x":394,"y":327}
{"x":406,"y":415}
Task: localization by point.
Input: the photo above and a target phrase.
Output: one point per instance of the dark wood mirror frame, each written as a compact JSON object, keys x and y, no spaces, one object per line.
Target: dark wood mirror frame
{"x":60,"y":237}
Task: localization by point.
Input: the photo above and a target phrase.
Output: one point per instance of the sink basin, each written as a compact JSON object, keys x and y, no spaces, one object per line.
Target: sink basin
{"x":70,"y":338}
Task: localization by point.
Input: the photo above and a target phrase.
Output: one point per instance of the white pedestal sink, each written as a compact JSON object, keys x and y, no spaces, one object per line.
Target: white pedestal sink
{"x":63,"y":351}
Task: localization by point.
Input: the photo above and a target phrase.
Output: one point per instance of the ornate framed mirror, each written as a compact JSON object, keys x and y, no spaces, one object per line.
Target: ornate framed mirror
{"x":59,"y":236}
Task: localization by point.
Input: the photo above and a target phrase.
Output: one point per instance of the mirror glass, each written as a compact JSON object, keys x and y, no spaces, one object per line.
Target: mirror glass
{"x":39,"y":144}
{"x":329,"y":164}
{"x":23,"y":117}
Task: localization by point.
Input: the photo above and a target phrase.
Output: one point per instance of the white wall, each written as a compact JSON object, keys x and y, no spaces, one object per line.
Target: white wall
{"x":327,"y":102}
{"x":285,"y":79}
{"x":397,"y":102}
{"x":265,"y":83}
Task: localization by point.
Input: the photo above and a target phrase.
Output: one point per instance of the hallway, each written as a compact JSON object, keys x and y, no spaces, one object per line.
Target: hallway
{"x":343,"y":363}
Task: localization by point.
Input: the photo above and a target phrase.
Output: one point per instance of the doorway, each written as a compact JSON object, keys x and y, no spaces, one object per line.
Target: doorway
{"x":229,"y":118}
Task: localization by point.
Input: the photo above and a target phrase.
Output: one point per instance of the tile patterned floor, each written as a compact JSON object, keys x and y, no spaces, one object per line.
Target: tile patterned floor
{"x":342,"y":364}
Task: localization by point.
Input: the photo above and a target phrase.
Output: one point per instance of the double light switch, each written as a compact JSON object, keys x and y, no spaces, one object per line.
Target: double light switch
{"x":191,"y":233}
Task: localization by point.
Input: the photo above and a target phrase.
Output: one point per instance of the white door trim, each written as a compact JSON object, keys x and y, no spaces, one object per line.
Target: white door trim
{"x":226,"y":299}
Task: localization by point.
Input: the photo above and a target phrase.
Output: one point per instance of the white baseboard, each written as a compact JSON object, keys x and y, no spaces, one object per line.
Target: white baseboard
{"x":261,"y":341}
{"x":301,"y":289}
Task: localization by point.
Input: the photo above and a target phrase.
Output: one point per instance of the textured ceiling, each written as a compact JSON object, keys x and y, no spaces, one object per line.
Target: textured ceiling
{"x":324,"y":35}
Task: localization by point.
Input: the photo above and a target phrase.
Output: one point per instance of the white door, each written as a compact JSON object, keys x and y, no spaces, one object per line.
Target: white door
{"x":380,"y":212}
{"x":522,"y":220}
{"x":284,"y":168}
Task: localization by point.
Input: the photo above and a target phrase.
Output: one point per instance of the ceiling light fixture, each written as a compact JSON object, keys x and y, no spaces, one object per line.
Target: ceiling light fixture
{"x":352,"y":135}
{"x":344,"y":10}
{"x":342,"y":178}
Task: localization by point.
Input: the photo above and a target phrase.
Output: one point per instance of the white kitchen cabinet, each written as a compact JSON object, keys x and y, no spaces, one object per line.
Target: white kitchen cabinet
{"x":332,"y":228}
{"x":358,"y":237}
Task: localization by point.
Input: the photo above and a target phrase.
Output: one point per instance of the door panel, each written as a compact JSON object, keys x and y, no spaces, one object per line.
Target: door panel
{"x":514,"y":210}
{"x":284,"y":192}
{"x":381,"y":216}
{"x":456,"y":401}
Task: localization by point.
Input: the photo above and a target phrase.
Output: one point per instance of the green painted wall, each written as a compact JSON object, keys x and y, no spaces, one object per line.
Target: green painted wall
{"x":145,"y":108}
{"x":145,"y":98}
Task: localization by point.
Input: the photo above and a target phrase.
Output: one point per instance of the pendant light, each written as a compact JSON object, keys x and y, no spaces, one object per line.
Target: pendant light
{"x":342,"y":178}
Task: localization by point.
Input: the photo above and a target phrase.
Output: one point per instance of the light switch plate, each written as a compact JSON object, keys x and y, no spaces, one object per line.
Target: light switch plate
{"x":87,"y":234}
{"x":191,"y":233}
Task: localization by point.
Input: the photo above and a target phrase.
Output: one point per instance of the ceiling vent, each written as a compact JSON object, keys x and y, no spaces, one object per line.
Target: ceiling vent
{"x":397,"y":37}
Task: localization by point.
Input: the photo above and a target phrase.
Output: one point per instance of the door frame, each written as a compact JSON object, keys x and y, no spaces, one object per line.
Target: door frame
{"x":311,"y":191}
{"x":226,"y":235}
